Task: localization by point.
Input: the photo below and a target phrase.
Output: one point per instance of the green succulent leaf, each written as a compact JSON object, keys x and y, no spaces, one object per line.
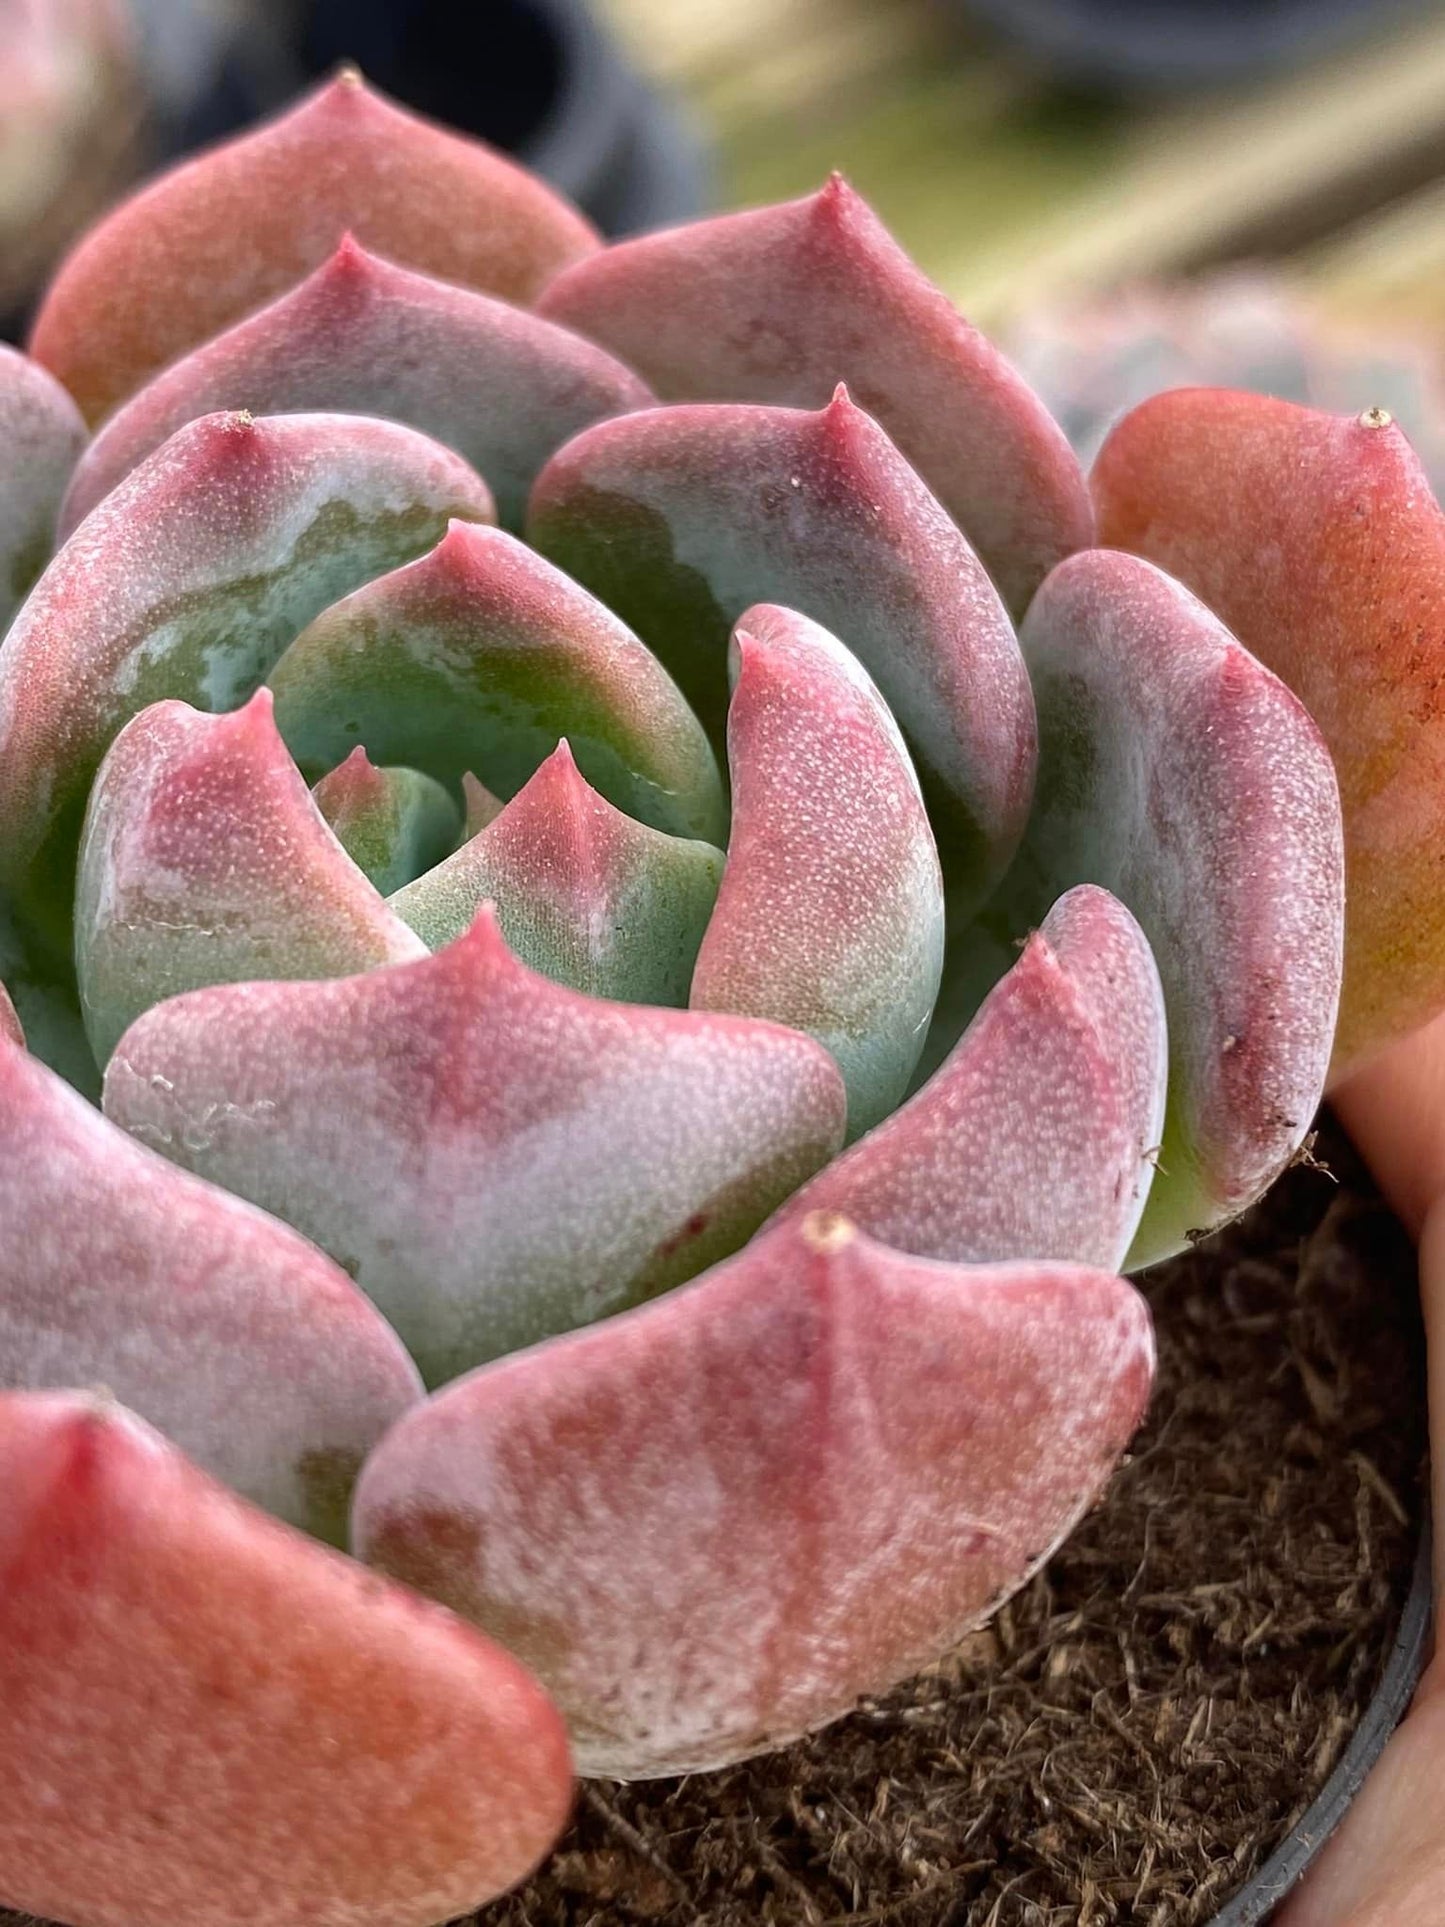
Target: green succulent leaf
{"x":587,"y":896}
{"x":393,"y":823}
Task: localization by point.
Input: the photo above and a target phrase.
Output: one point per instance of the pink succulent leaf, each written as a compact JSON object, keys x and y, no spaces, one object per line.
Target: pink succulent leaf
{"x":587,"y":896}
{"x":189,"y":581}
{"x":492,"y":1157}
{"x":237,"y":1339}
{"x":480,"y":656}
{"x":712,"y":1525}
{"x":1317,"y":539}
{"x":11,"y":1029}
{"x":778,"y":304}
{"x":214,"y":239}
{"x":500,"y":385}
{"x":204,"y":860}
{"x":205,"y":1717}
{"x":41,"y":436}
{"x":1037,"y":1136}
{"x":481,"y":807}
{"x":830,"y":916}
{"x":1179,"y":773}
{"x":681,"y":518}
{"x":393,"y":823}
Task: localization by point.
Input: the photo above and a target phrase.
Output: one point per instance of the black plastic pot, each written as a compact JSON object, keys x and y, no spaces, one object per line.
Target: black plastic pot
{"x":1255,"y":1902}
{"x":538,"y":78}
{"x":1174,"y":43}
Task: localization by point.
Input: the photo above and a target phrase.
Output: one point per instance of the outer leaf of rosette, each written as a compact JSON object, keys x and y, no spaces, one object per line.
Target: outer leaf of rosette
{"x":191,"y":1693}
{"x":587,"y":896}
{"x":830,"y":916}
{"x":681,"y":518}
{"x":1037,"y":1137}
{"x":493,"y":1158}
{"x":1317,"y":539}
{"x":240,"y":1341}
{"x":717,"y":1522}
{"x":188,"y":581}
{"x":501,"y":386}
{"x":204,"y":860}
{"x":214,"y":239}
{"x":777,"y":304}
{"x":41,"y":436}
{"x":393,"y":823}
{"x":480,"y":656}
{"x":1176,"y":771}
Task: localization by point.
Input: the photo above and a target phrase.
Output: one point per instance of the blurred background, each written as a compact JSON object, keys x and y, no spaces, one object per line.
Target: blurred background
{"x":1130,"y":192}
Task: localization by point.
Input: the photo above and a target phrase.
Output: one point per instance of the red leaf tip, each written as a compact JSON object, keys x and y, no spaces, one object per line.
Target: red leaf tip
{"x":1376,"y":418}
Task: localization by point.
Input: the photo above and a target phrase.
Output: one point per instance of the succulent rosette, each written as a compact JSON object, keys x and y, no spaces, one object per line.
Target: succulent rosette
{"x":658,"y":922}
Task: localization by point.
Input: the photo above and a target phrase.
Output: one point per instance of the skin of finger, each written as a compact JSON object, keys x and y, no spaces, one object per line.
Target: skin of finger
{"x":1386,"y":1865}
{"x":1394,"y":1109}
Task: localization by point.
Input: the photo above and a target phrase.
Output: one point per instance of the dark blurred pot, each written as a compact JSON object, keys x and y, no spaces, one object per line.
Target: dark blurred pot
{"x":1175,"y":43}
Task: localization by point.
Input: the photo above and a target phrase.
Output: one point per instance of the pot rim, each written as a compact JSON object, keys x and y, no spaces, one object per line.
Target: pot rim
{"x":1266,"y":1888}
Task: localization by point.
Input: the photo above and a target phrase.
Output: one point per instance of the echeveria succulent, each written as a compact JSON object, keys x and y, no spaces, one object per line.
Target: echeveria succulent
{"x":642,"y":811}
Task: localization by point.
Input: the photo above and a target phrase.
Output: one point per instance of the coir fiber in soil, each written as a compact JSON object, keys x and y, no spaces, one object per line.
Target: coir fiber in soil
{"x":1135,"y":1731}
{"x":1140,"y":1727}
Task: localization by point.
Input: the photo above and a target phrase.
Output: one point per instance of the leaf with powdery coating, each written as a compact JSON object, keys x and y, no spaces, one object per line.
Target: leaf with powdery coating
{"x":777,"y":304}
{"x":223,"y":1328}
{"x":681,"y":518}
{"x":10,"y":1025}
{"x":500,"y":385}
{"x":1317,"y":539}
{"x":481,"y":806}
{"x":492,"y":1157}
{"x":830,"y":916}
{"x":716,"y":1523}
{"x":1037,"y":1137}
{"x":206,"y":1718}
{"x":1179,"y":773}
{"x":587,"y":896}
{"x":215,"y":238}
{"x":41,"y":436}
{"x":189,"y":581}
{"x":204,"y":860}
{"x":392,"y":823}
{"x":481,"y":656}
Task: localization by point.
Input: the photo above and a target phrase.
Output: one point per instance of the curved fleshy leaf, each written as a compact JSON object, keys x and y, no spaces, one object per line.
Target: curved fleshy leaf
{"x":493,"y":1158}
{"x":205,"y":1717}
{"x":188,"y":581}
{"x":1316,"y":538}
{"x":1184,"y":777}
{"x":715,"y":1523}
{"x":830,"y":916}
{"x":481,"y":806}
{"x":211,"y":240}
{"x":501,"y":386}
{"x":1037,"y":1137}
{"x":41,"y":436}
{"x":778,"y":304}
{"x":587,"y":896}
{"x":230,"y":1334}
{"x":204,"y":860}
{"x":480,"y":656}
{"x":393,"y":823}
{"x":681,"y":518}
{"x":11,"y":1029}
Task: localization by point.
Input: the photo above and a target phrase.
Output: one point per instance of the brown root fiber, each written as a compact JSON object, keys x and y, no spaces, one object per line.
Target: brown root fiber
{"x":1134,"y":1733}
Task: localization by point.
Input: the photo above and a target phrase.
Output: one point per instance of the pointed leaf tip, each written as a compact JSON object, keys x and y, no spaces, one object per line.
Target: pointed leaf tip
{"x":215,"y":238}
{"x":1317,"y":539}
{"x":777,"y":304}
{"x":215,"y":1689}
{"x":830,"y":915}
{"x":205,"y":861}
{"x":806,"y":1475}
{"x":586,"y":895}
{"x":517,"y":1159}
{"x":1036,"y":1138}
{"x":11,"y":1029}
